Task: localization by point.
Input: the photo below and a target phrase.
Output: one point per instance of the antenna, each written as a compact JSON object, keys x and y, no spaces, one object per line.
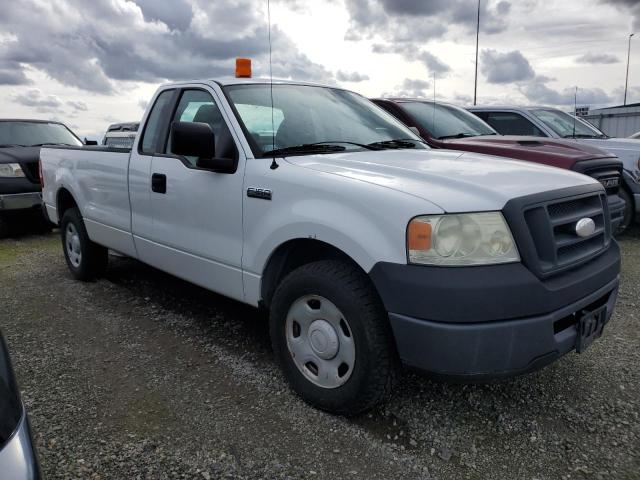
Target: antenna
{"x":274,"y":164}
{"x":433,"y":117}
{"x":575,"y":111}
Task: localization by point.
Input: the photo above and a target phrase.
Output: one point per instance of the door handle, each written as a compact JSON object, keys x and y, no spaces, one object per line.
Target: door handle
{"x":159,"y":183}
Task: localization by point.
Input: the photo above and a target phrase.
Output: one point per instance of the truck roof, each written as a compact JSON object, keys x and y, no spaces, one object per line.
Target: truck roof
{"x":226,"y":81}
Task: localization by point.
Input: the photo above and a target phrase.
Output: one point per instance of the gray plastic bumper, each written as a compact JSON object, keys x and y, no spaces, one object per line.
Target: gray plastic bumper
{"x":20,"y":201}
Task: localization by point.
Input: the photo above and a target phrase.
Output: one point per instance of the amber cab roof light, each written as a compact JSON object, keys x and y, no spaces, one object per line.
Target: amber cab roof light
{"x":243,"y":68}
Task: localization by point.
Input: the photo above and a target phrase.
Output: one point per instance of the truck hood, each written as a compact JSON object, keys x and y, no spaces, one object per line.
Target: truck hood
{"x":626,"y":149}
{"x":555,"y":152}
{"x":456,"y":182}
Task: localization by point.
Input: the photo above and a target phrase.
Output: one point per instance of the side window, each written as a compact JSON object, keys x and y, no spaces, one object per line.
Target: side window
{"x":153,"y":134}
{"x":508,"y":123}
{"x":199,"y":106}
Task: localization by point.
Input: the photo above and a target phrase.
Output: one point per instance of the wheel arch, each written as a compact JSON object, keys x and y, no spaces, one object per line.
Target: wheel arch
{"x":64,"y":201}
{"x":292,"y":254}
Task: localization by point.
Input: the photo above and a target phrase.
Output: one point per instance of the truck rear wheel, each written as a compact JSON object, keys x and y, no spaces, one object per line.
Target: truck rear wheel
{"x":332,"y":337}
{"x":5,"y":227}
{"x":86,"y":260}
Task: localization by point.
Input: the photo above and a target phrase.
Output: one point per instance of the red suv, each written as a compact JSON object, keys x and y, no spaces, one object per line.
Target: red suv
{"x":444,"y":125}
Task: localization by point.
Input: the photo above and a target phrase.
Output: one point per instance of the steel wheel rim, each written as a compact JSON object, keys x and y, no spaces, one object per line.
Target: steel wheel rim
{"x":320,"y":341}
{"x":72,"y":243}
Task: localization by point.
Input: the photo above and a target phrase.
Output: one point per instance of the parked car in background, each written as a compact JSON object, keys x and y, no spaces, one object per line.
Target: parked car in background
{"x":17,"y":455}
{"x":554,"y":123}
{"x":451,"y":127}
{"x":20,"y":142}
{"x":365,"y":245}
{"x":121,"y":135}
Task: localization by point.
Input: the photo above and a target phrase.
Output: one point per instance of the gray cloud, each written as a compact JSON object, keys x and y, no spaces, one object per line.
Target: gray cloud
{"x":78,"y":105}
{"x":410,"y":52}
{"x":633,"y":6}
{"x":508,"y":67}
{"x":597,"y":58}
{"x":410,"y":88}
{"x":418,"y":21}
{"x":39,"y":101}
{"x":538,"y":92}
{"x":90,"y":45}
{"x":351,"y":76}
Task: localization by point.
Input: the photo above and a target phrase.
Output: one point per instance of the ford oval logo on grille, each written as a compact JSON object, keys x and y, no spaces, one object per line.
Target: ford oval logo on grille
{"x":585,"y":227}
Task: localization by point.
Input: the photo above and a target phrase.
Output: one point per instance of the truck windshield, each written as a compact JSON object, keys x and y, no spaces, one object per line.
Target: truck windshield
{"x":27,"y":134}
{"x":447,"y":121}
{"x":312,"y":120}
{"x":567,"y":126}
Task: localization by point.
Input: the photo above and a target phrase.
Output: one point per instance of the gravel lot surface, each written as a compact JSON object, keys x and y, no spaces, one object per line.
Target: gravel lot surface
{"x":142,"y":375}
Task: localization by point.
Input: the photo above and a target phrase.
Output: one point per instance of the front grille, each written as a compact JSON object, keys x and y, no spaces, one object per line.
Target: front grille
{"x":607,"y":173}
{"x":552,"y":227}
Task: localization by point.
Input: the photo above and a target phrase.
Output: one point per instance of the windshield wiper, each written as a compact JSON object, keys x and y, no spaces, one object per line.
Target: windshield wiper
{"x":306,"y":148}
{"x":458,"y":135}
{"x":580,"y":135}
{"x":396,"y":143}
{"x":46,"y":144}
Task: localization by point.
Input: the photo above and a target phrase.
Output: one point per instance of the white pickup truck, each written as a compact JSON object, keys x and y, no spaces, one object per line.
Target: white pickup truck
{"x":368,"y":249}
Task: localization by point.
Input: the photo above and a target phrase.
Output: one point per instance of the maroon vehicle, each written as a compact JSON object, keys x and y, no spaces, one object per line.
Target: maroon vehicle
{"x":447,"y":126}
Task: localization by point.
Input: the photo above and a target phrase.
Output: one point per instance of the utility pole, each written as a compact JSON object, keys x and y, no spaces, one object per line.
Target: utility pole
{"x":475,"y":84}
{"x":626,"y":82}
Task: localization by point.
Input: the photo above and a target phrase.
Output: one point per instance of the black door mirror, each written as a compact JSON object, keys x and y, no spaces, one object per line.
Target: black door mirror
{"x":195,"y":139}
{"x":90,"y":142}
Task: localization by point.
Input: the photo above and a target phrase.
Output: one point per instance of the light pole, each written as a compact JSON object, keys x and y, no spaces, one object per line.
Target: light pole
{"x":475,"y":83}
{"x":626,"y":82}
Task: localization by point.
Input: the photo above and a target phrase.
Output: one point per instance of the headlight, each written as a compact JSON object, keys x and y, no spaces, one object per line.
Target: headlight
{"x":11,"y":170}
{"x":460,"y":239}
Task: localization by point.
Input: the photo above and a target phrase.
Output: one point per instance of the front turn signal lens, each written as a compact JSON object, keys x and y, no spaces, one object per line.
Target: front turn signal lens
{"x":419,"y":235}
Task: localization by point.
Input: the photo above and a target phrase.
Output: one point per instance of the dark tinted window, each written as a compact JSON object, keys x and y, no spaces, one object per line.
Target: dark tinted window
{"x":509,"y":123}
{"x":199,"y":106}
{"x":36,"y":133}
{"x":153,"y":136}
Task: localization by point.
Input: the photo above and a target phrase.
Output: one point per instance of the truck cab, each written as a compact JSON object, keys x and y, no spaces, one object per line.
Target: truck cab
{"x":367,"y":248}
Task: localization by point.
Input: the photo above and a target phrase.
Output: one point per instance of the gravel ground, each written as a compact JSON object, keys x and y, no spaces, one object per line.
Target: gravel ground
{"x":141,"y":375}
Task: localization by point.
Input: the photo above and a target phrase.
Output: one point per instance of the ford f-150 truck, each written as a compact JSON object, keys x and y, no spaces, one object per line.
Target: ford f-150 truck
{"x":554,"y":123}
{"x":20,"y":142}
{"x":367,"y":248}
{"x":443,"y":125}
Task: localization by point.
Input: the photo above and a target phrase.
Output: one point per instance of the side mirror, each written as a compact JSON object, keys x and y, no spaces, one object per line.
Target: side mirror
{"x":194,"y":139}
{"x":90,"y":142}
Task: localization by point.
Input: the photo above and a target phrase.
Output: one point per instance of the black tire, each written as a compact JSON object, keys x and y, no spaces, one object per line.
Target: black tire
{"x":376,"y":367}
{"x":5,"y":227}
{"x":94,"y":257}
{"x":629,"y":211}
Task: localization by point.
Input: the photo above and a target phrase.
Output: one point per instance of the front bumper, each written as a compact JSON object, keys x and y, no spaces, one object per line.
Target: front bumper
{"x":20,"y":201}
{"x":483,"y":322}
{"x":18,"y":458}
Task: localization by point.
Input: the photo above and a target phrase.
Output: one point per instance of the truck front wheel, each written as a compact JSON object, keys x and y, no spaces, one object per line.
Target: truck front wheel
{"x":629,"y":210}
{"x":332,"y":337}
{"x":86,"y":260}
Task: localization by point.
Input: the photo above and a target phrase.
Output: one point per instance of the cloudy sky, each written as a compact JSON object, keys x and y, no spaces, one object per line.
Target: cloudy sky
{"x":94,"y":63}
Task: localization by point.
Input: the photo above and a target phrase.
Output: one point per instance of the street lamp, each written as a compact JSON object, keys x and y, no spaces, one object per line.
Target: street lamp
{"x":475,"y":84}
{"x":626,"y":82}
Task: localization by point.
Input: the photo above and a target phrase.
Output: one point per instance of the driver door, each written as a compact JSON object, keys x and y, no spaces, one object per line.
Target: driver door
{"x":196,"y":213}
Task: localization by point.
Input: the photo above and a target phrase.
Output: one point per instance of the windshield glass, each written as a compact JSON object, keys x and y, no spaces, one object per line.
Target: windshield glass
{"x":35,"y":133}
{"x":563,"y":124}
{"x":447,"y":121}
{"x":304,"y":115}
